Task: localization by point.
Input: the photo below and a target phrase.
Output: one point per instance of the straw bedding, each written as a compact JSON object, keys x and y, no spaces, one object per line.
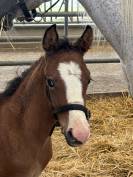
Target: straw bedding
{"x":108,"y":153}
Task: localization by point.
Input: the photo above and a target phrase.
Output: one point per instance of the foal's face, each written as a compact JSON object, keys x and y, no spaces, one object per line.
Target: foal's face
{"x":67,"y":81}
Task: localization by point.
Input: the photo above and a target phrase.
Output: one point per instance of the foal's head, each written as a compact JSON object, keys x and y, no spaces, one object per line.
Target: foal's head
{"x":67,"y":78}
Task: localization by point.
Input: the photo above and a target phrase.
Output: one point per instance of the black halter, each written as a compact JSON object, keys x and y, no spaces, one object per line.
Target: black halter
{"x":70,"y":107}
{"x":65,"y":108}
{"x":29,"y":16}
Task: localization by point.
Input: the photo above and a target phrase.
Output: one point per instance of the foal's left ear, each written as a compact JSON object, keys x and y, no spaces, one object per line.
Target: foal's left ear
{"x":50,"y":38}
{"x":85,"y":41}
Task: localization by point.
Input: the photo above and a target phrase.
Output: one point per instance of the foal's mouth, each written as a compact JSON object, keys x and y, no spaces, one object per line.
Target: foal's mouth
{"x":71,"y":140}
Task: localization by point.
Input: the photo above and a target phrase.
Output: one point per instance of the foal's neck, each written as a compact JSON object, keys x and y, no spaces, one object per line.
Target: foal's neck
{"x":37,"y":117}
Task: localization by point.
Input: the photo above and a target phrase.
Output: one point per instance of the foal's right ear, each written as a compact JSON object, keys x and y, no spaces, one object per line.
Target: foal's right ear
{"x":85,"y":41}
{"x":50,"y":38}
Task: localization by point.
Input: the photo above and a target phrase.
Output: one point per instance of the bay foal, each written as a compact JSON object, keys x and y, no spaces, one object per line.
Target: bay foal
{"x":52,"y":90}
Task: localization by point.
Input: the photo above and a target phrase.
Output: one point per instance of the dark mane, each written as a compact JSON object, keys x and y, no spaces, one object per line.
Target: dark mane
{"x":13,"y":85}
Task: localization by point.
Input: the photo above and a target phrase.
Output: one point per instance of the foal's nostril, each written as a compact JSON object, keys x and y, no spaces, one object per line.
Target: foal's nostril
{"x":69,"y":134}
{"x":71,"y":140}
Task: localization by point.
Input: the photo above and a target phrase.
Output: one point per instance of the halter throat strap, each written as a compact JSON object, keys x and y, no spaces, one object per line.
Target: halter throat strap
{"x":28,"y":16}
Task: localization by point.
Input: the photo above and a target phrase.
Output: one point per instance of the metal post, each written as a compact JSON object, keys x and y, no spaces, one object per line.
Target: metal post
{"x":66,"y":19}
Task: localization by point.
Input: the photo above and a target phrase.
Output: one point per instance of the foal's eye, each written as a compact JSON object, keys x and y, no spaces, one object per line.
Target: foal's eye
{"x":50,"y":82}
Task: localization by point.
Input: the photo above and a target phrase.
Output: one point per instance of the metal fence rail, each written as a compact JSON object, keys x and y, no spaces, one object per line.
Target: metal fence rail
{"x":64,"y":6}
{"x":87,"y":61}
{"x":65,"y":12}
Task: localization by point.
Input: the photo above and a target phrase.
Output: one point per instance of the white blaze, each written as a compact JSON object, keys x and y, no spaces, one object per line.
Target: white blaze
{"x":71,"y":75}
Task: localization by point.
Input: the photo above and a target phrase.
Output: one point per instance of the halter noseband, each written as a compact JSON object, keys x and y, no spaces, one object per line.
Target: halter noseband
{"x":29,"y":16}
{"x":67,"y":107}
{"x":70,"y":107}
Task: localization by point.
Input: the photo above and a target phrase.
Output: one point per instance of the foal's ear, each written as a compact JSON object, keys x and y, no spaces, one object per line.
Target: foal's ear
{"x":50,"y":38}
{"x":85,"y":41}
